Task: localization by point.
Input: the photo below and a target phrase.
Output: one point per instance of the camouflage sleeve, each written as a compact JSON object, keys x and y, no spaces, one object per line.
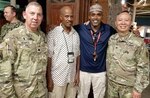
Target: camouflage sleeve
{"x":142,"y":74}
{"x":50,"y":42}
{"x":108,"y":55}
{"x":1,"y":34}
{"x":6,"y":66}
{"x":4,"y":30}
{"x":10,"y":49}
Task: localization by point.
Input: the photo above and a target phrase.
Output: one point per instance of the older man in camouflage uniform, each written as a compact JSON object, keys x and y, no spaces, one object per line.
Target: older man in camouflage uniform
{"x":127,"y":61}
{"x":24,"y":58}
{"x":13,"y":22}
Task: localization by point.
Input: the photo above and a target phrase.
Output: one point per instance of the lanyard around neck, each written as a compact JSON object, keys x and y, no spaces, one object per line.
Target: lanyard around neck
{"x":95,"y":39}
{"x":67,"y":44}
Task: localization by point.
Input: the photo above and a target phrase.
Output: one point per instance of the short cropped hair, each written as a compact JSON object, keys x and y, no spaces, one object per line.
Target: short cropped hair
{"x":33,"y":3}
{"x":125,"y":12}
{"x":12,"y":8}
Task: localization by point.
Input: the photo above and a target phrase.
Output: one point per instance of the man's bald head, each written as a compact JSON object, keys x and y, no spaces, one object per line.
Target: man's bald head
{"x":66,"y":17}
{"x":65,"y":9}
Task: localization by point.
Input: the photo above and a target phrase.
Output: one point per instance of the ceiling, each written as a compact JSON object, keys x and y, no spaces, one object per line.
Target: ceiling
{"x":142,"y":8}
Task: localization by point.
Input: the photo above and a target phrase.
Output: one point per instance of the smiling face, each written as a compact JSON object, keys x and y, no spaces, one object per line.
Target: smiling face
{"x":95,"y":18}
{"x":66,"y":17}
{"x":33,"y":16}
{"x":9,"y":14}
{"x":123,"y":22}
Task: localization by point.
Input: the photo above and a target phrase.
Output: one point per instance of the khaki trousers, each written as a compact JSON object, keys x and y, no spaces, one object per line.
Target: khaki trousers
{"x":98,"y":81}
{"x":67,"y":91}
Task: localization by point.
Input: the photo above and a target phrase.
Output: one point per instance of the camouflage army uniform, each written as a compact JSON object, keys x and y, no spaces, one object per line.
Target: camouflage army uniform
{"x":8,"y":27}
{"x":24,"y":55}
{"x":127,"y":66}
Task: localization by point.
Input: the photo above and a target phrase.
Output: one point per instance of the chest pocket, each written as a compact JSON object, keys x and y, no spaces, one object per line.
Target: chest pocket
{"x":31,"y":50}
{"x":32,"y":55}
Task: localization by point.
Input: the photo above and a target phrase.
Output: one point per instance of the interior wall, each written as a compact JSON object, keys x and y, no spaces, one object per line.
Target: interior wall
{"x":81,"y":15}
{"x":104,"y":4}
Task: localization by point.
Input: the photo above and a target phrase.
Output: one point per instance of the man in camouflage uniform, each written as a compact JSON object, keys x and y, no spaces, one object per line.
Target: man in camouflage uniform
{"x":24,"y":58}
{"x":127,"y":61}
{"x":13,"y":22}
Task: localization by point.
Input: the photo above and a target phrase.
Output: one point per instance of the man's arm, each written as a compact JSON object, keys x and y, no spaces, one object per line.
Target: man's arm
{"x":50,"y":83}
{"x":49,"y":76}
{"x":77,"y":76}
{"x":2,"y":32}
{"x":142,"y":74}
{"x":8,"y":56}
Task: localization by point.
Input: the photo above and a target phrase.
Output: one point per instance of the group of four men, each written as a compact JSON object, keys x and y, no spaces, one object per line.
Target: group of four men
{"x":73,"y":57}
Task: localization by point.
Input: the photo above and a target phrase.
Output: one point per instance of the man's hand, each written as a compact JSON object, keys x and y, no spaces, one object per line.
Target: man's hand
{"x":136,"y":32}
{"x":50,"y":85}
{"x":76,"y":80}
{"x":136,"y":94}
{"x":87,"y":22}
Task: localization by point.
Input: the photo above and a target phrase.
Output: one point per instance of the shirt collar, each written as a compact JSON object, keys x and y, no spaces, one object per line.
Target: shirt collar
{"x":62,"y":29}
{"x":100,"y":29}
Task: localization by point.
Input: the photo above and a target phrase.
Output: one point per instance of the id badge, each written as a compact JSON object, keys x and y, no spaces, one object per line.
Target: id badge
{"x":70,"y":57}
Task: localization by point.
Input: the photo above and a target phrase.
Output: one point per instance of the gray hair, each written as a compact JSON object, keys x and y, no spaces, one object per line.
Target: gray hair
{"x":34,"y":3}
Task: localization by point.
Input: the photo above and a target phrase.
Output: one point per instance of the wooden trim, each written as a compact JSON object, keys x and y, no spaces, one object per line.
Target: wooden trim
{"x":84,"y":8}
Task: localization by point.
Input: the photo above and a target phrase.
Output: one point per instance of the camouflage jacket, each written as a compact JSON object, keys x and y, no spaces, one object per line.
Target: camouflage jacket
{"x":128,"y":61}
{"x":8,"y":27}
{"x":23,"y":64}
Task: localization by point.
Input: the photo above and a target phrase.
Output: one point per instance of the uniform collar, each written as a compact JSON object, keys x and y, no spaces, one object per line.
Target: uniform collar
{"x":123,"y":39}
